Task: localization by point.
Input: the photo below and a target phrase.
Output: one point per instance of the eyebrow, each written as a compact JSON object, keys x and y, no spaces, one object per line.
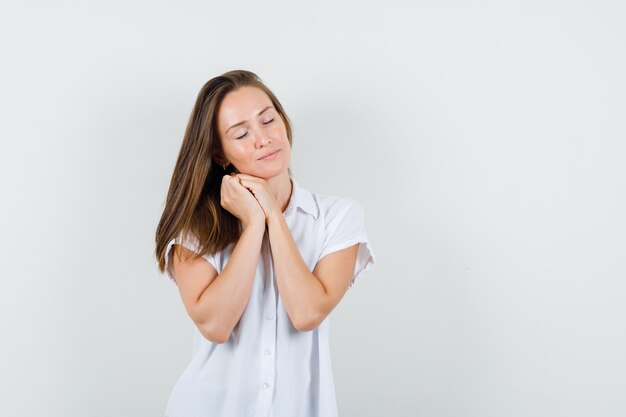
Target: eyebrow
{"x":258,"y":114}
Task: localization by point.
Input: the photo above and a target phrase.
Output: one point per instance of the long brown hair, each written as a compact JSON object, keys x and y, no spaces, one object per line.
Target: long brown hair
{"x":193,"y":204}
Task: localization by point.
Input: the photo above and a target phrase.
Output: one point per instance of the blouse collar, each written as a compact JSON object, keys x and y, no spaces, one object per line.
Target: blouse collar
{"x":303,"y":198}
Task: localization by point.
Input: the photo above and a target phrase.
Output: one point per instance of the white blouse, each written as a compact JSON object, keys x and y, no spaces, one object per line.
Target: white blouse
{"x":268,"y":368}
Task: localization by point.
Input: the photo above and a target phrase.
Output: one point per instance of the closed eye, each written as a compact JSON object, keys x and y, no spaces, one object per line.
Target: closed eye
{"x":266,"y":123}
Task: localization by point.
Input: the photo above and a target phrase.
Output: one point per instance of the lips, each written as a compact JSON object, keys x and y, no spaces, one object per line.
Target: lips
{"x":269,"y":154}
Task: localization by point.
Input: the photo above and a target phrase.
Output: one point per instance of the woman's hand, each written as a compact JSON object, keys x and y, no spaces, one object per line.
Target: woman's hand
{"x":236,"y":198}
{"x":261,"y":191}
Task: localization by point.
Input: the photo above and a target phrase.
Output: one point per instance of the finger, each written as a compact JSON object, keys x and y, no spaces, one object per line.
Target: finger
{"x":230,"y":185}
{"x":227,"y":182}
{"x":233,"y":180}
{"x":237,"y":186}
{"x":249,"y":177}
{"x":249,"y":184}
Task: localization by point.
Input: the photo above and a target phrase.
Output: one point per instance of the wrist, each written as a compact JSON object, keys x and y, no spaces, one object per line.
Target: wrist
{"x":254,"y":225}
{"x":274,"y":216}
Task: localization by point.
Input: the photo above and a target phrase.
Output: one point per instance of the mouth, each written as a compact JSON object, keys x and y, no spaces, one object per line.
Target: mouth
{"x":270,"y":155}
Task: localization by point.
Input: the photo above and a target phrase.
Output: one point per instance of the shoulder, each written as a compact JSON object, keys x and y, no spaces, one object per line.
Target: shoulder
{"x":190,"y":242}
{"x":334,"y":208}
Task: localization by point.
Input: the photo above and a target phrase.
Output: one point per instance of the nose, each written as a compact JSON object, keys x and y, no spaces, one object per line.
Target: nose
{"x":261,"y":138}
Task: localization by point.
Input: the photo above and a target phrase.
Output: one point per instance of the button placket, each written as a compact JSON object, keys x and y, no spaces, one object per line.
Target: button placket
{"x":268,"y":341}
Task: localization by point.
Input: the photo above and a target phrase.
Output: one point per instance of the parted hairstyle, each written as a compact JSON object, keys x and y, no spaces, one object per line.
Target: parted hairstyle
{"x":193,"y":203}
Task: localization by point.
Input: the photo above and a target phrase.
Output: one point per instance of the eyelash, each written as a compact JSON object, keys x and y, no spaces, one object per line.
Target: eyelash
{"x":242,"y":136}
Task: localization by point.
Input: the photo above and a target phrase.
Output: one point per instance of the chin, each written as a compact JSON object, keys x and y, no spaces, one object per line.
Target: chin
{"x":268,"y":172}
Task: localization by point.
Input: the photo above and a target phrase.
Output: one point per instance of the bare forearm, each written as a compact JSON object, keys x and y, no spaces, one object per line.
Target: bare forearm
{"x":224,"y":301}
{"x":301,"y":292}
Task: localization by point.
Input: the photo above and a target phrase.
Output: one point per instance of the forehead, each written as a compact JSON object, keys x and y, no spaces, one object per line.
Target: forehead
{"x":240,"y":105}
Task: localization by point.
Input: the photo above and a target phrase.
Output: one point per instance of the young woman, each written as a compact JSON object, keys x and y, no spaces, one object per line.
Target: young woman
{"x":259,"y":261}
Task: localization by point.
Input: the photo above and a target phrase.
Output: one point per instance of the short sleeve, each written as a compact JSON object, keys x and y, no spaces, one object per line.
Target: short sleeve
{"x":345,"y":226}
{"x":192,"y":244}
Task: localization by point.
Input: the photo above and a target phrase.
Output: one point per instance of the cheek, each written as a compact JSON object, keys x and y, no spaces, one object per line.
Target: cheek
{"x":239,"y":149}
{"x":240,"y":146}
{"x":279,"y":130}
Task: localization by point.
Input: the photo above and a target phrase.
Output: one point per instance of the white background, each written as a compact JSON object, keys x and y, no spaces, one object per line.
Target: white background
{"x":485,"y":141}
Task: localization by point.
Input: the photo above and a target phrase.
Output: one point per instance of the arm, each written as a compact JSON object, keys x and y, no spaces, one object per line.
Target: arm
{"x":308,"y":296}
{"x":216,"y":302}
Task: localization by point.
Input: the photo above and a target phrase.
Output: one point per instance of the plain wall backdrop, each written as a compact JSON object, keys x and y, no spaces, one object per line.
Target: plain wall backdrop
{"x":485,"y":141}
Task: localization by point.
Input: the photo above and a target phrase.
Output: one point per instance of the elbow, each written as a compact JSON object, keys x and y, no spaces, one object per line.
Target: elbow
{"x":304,"y":328}
{"x":213,"y":335}
{"x":210,"y":329}
{"x":307,"y":323}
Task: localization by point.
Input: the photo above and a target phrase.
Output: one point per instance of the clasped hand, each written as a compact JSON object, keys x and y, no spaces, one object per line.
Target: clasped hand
{"x":248,"y":198}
